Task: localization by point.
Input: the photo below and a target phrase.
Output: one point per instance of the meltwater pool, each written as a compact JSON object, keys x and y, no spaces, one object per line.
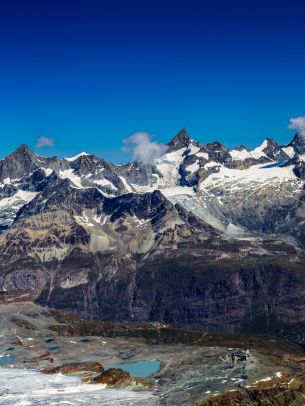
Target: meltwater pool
{"x":139,"y":369}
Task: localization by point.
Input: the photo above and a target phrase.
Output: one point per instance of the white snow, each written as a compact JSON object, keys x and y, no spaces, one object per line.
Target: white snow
{"x":204,"y":155}
{"x":204,"y":206}
{"x":264,"y":380}
{"x":73,"y":158}
{"x":168,"y":166}
{"x":30,"y":387}
{"x":278,"y":374}
{"x":6,"y":181}
{"x":47,"y":171}
{"x":211,"y":164}
{"x":83,"y":220}
{"x":69,"y":174}
{"x":178,"y":190}
{"x":193,"y":167}
{"x":193,"y":149}
{"x":240,"y":155}
{"x":289,"y":151}
{"x":105,"y":182}
{"x":140,"y":222}
{"x":258,"y":152}
{"x":20,"y":198}
{"x":234,"y":231}
{"x":126,"y":185}
{"x":244,"y":153}
{"x":254,"y":175}
{"x":109,"y":195}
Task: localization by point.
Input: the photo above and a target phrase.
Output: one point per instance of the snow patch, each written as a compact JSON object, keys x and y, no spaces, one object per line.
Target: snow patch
{"x":73,"y":158}
{"x":245,"y":154}
{"x":193,"y":149}
{"x":204,"y":155}
{"x":69,"y":174}
{"x":256,"y":174}
{"x":20,"y":198}
{"x":264,"y":380}
{"x":126,"y":185}
{"x":289,"y":151}
{"x":240,"y":155}
{"x":47,"y":171}
{"x":193,"y":167}
{"x":258,"y":152}
{"x":30,"y":387}
{"x":178,"y":190}
{"x":211,"y":164}
{"x":278,"y":374}
{"x":83,"y":220}
{"x":6,"y":181}
{"x":105,"y":182}
{"x":168,"y":166}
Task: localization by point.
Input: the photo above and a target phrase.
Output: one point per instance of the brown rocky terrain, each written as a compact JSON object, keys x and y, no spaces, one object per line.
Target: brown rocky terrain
{"x":284,"y":391}
{"x":237,"y":366}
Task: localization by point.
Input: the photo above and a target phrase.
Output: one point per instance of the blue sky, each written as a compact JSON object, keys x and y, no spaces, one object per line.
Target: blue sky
{"x":89,"y":73}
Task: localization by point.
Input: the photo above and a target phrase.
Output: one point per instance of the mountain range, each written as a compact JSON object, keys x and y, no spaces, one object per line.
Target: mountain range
{"x":203,"y":235}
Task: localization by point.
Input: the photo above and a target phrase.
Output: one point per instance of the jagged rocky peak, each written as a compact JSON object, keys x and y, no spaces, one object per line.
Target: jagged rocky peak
{"x":181,"y":140}
{"x":23,"y":149}
{"x":273,"y":151}
{"x":218,"y":152}
{"x":85,"y":164}
{"x":23,"y":153}
{"x":18,"y":163}
{"x":298,"y":143}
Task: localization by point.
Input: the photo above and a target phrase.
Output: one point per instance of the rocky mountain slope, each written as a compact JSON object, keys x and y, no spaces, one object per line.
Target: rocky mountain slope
{"x":202,"y":235}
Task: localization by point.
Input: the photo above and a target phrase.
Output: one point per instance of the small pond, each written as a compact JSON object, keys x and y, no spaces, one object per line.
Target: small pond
{"x":140,"y":369}
{"x":6,"y":359}
{"x":54,"y":348}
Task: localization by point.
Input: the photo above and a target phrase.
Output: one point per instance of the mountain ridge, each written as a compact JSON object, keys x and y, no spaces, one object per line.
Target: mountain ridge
{"x":193,"y":237}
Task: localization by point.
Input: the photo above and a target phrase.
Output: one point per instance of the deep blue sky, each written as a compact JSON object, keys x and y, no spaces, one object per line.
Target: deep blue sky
{"x":89,"y":73}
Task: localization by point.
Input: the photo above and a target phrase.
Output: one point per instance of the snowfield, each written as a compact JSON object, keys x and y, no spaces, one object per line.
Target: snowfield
{"x":22,"y":387}
{"x":243,"y":178}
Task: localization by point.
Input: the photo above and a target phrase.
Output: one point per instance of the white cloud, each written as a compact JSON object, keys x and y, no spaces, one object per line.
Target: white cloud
{"x":44,"y":142}
{"x":143,"y":148}
{"x":298,"y":124}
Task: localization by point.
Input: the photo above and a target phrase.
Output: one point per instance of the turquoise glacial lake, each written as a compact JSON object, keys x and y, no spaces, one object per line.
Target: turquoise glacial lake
{"x":140,"y":369}
{"x":6,"y":360}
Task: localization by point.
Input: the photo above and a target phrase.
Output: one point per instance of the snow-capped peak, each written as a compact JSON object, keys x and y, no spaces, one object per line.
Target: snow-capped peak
{"x":73,"y":158}
{"x":242,"y":153}
{"x":258,"y":152}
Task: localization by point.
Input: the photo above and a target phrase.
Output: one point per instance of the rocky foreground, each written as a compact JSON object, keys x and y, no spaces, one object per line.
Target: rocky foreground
{"x":195,"y":368}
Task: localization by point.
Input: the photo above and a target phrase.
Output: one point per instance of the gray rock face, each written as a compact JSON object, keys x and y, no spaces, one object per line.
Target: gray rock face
{"x":181,"y":140}
{"x":138,"y":174}
{"x":20,"y":163}
{"x":298,"y":144}
{"x":274,"y":151}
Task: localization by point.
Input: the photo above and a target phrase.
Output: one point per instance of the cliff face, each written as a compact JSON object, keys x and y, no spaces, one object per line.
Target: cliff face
{"x":231,"y":294}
